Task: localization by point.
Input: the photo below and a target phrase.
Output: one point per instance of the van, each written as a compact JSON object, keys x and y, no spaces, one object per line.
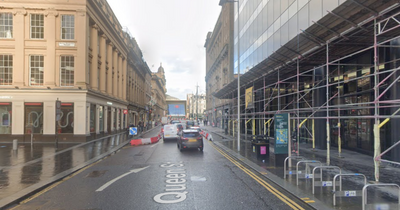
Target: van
{"x":170,"y":132}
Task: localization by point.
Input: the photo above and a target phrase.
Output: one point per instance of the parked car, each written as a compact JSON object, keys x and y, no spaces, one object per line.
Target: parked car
{"x":189,"y":124}
{"x":170,"y":132}
{"x":190,"y":139}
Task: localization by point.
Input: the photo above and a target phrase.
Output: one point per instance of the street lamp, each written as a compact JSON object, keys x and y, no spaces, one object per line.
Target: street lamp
{"x":238,"y":60}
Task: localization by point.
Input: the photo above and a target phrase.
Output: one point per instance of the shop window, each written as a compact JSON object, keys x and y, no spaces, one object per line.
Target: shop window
{"x":5,"y":117}
{"x":92,"y":118}
{"x":33,"y":118}
{"x":66,"y":123}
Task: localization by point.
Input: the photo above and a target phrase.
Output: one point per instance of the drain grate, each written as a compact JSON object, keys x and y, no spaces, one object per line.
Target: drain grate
{"x":95,"y":174}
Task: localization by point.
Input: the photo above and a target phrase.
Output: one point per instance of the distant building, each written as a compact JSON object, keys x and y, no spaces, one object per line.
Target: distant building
{"x":158,"y":102}
{"x":195,"y":106}
{"x":76,"y":52}
{"x":176,"y":108}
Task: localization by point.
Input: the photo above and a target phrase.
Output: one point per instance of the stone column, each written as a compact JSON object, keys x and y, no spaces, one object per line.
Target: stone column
{"x":120,"y":70}
{"x":103,"y":56}
{"x":125,"y":78}
{"x":109,"y":68}
{"x":81,"y":59}
{"x":19,"y":34}
{"x":115,"y":74}
{"x":50,"y":69}
{"x":105,"y":117}
{"x":94,"y":36}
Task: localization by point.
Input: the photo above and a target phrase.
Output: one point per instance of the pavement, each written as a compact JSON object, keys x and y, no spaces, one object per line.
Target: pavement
{"x":31,"y":168}
{"x":349,"y":162}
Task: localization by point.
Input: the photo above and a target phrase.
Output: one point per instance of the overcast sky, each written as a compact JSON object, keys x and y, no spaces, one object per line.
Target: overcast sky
{"x":171,"y":32}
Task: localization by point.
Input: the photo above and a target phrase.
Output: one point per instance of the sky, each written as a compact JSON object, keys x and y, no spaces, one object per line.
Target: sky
{"x":171,"y":32}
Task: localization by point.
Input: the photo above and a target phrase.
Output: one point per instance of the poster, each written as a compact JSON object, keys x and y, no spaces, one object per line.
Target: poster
{"x":281,"y":133}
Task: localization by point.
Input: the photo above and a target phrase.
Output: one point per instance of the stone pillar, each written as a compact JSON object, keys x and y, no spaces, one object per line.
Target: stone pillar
{"x":94,"y":36}
{"x":109,"y":68}
{"x":117,"y":112}
{"x":50,"y":69}
{"x":120,"y":70}
{"x":125,"y":78}
{"x":19,"y":34}
{"x":105,"y":117}
{"x":115,"y":74}
{"x":81,"y":59}
{"x":103,"y":56}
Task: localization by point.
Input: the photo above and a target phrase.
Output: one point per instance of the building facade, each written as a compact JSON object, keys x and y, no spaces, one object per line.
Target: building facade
{"x":331,"y":65}
{"x":219,"y":65}
{"x":176,"y":108}
{"x":195,"y":106}
{"x":159,"y":89}
{"x":75,"y":52}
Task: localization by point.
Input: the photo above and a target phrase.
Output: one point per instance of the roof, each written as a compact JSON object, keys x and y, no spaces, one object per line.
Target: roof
{"x":346,"y":29}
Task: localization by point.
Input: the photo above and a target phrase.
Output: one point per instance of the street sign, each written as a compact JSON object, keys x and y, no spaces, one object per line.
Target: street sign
{"x":281,"y":133}
{"x":132,"y":131}
{"x":58,"y":110}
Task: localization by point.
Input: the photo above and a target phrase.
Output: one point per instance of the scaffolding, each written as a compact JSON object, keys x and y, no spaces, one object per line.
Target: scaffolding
{"x":349,"y":91}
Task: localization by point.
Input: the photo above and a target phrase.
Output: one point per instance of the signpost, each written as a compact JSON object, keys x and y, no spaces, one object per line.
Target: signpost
{"x":58,"y":118}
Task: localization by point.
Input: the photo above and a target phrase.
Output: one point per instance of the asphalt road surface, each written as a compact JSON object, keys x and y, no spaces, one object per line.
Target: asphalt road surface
{"x":159,"y":176}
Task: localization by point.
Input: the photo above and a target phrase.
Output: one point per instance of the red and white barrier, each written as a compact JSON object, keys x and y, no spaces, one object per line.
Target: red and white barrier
{"x":137,"y":142}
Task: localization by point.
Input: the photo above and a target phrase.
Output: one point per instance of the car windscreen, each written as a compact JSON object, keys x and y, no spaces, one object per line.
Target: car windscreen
{"x":190,"y":123}
{"x":191,"y":134}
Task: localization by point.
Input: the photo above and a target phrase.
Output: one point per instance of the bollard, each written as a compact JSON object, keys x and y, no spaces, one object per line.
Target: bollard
{"x":15,"y":144}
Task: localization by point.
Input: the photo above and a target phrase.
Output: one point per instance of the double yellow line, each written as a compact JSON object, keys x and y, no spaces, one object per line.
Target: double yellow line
{"x":267,"y":186}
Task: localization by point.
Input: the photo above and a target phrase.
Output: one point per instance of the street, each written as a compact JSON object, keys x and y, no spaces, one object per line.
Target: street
{"x":159,"y":176}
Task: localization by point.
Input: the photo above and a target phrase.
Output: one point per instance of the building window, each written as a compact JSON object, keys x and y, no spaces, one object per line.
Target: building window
{"x":6,"y":25}
{"x":6,"y":69}
{"x":67,"y":68}
{"x":36,"y":70}
{"x":37,"y":26}
{"x":5,"y":118}
{"x":33,"y":118}
{"x":67,"y":27}
{"x":66,"y":123}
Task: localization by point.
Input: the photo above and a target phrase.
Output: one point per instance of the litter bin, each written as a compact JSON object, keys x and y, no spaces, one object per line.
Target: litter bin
{"x":261,"y":149}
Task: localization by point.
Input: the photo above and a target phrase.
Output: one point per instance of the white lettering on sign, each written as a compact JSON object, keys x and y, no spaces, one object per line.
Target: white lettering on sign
{"x":175,"y":183}
{"x":350,"y":193}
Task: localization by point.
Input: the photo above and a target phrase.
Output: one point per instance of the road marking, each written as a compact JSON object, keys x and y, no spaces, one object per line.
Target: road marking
{"x":265,"y":184}
{"x":120,"y":177}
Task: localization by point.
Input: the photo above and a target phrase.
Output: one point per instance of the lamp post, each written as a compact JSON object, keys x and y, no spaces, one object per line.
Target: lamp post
{"x":238,"y":60}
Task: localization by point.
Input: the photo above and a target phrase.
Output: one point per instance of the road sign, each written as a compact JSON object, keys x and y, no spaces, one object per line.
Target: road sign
{"x":58,"y":110}
{"x":132,"y":131}
{"x":125,"y":111}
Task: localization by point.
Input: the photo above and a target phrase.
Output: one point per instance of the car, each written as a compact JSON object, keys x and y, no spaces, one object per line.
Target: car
{"x":175,"y":121}
{"x":189,"y":124}
{"x":198,"y":129}
{"x":189,"y":138}
{"x":170,"y":132}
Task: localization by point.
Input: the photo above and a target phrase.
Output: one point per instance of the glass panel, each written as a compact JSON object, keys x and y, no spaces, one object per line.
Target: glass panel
{"x":33,"y":118}
{"x":5,"y":118}
{"x":66,"y":123}
{"x":6,"y":25}
{"x":67,"y":70}
{"x":6,"y":69}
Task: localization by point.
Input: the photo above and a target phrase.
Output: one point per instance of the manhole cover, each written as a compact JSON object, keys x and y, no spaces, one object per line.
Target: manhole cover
{"x":95,"y":174}
{"x":198,"y":179}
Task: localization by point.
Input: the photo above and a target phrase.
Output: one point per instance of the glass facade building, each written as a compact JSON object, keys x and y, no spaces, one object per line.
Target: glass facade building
{"x":266,"y":25}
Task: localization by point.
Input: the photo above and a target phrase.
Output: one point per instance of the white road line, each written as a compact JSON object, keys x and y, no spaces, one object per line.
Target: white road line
{"x":123,"y":175}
